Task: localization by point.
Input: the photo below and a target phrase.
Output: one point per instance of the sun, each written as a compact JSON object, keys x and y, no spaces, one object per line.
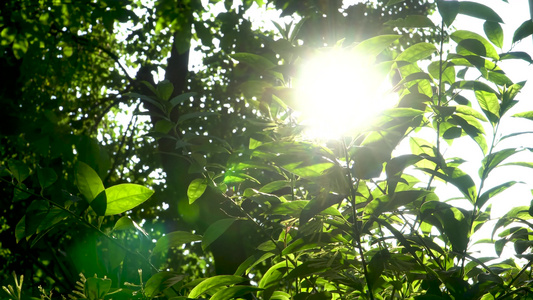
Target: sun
{"x":339,"y":93}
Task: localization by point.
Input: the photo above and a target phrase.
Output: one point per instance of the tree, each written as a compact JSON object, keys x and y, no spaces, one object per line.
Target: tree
{"x":312,"y":220}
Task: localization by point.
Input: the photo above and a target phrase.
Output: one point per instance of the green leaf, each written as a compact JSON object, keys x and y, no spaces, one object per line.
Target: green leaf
{"x":215,"y":230}
{"x":493,"y":160}
{"x":451,"y":220}
{"x":411,"y":21}
{"x":257,"y":62}
{"x":417,"y":52}
{"x":99,"y":204}
{"x":319,"y":204}
{"x":196,"y":114}
{"x":478,"y":10}
{"x":448,"y":10}
{"x":47,"y":177}
{"x":160,"y":282}
{"x":517,"y":55}
{"x":234,"y":292}
{"x":97,"y":288}
{"x":18,"y":169}
{"x":375,"y":45}
{"x":147,"y":99}
{"x":165,"y":89}
{"x":494,"y":32}
{"x":465,"y":37}
{"x":523,"y":31}
{"x":274,"y":274}
{"x":126,"y":196}
{"x":88,"y":181}
{"x":174,"y":239}
{"x":214,"y":282}
{"x":489,"y":105}
{"x":467,"y":110}
{"x":493,"y":192}
{"x":392,"y":2}
{"x":180,"y":99}
{"x":275,"y":186}
{"x":526,"y":115}
{"x":125,"y":223}
{"x":458,"y":178}
{"x":196,"y":189}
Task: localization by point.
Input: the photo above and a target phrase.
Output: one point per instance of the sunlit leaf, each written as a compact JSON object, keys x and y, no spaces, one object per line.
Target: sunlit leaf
{"x":375,"y":45}
{"x":88,"y":181}
{"x":489,"y":104}
{"x":478,"y":10}
{"x":161,"y":281}
{"x":493,"y":160}
{"x":517,"y":55}
{"x":174,"y":239}
{"x":463,"y":36}
{"x":494,"y":33}
{"x":196,"y":114}
{"x":97,"y":288}
{"x":196,"y":189}
{"x":255,"y":61}
{"x":180,"y":99}
{"x":452,"y":221}
{"x":526,"y":115}
{"x":525,"y":30}
{"x":234,"y":292}
{"x":126,"y":196}
{"x":448,"y":10}
{"x":417,"y":52}
{"x":493,"y":192}
{"x":411,"y":21}
{"x":215,"y":230}
{"x":318,"y":204}
{"x":214,"y":282}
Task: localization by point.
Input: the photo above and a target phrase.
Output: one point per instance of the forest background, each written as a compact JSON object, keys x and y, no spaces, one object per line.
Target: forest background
{"x":213,"y":187}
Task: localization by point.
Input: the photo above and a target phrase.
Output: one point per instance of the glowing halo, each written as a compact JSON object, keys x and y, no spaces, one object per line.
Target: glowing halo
{"x":339,"y":93}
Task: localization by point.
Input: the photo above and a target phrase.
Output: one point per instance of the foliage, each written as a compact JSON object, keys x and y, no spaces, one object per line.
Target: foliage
{"x":279,"y":215}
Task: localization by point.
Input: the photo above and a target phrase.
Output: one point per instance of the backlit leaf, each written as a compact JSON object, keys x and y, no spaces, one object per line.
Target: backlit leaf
{"x":255,"y":61}
{"x":161,"y":281}
{"x":478,"y":10}
{"x":126,"y":196}
{"x":374,"y":46}
{"x":165,"y":89}
{"x":214,"y":231}
{"x":234,"y":292}
{"x":411,"y":21}
{"x":448,"y":10}
{"x":494,"y":32}
{"x":463,"y":36}
{"x":525,"y":30}
{"x":196,"y":189}
{"x":493,"y":160}
{"x":489,"y":104}
{"x":214,"y":282}
{"x":174,"y":239}
{"x":417,"y":52}
{"x":493,"y":192}
{"x":88,"y":181}
{"x":47,"y":177}
{"x":97,"y":288}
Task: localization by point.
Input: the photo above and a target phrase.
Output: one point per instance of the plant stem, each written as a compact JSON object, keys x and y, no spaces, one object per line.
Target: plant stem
{"x":354,"y":215}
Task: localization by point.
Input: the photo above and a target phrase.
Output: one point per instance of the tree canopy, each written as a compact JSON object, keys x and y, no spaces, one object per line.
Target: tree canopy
{"x":129,"y":170}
